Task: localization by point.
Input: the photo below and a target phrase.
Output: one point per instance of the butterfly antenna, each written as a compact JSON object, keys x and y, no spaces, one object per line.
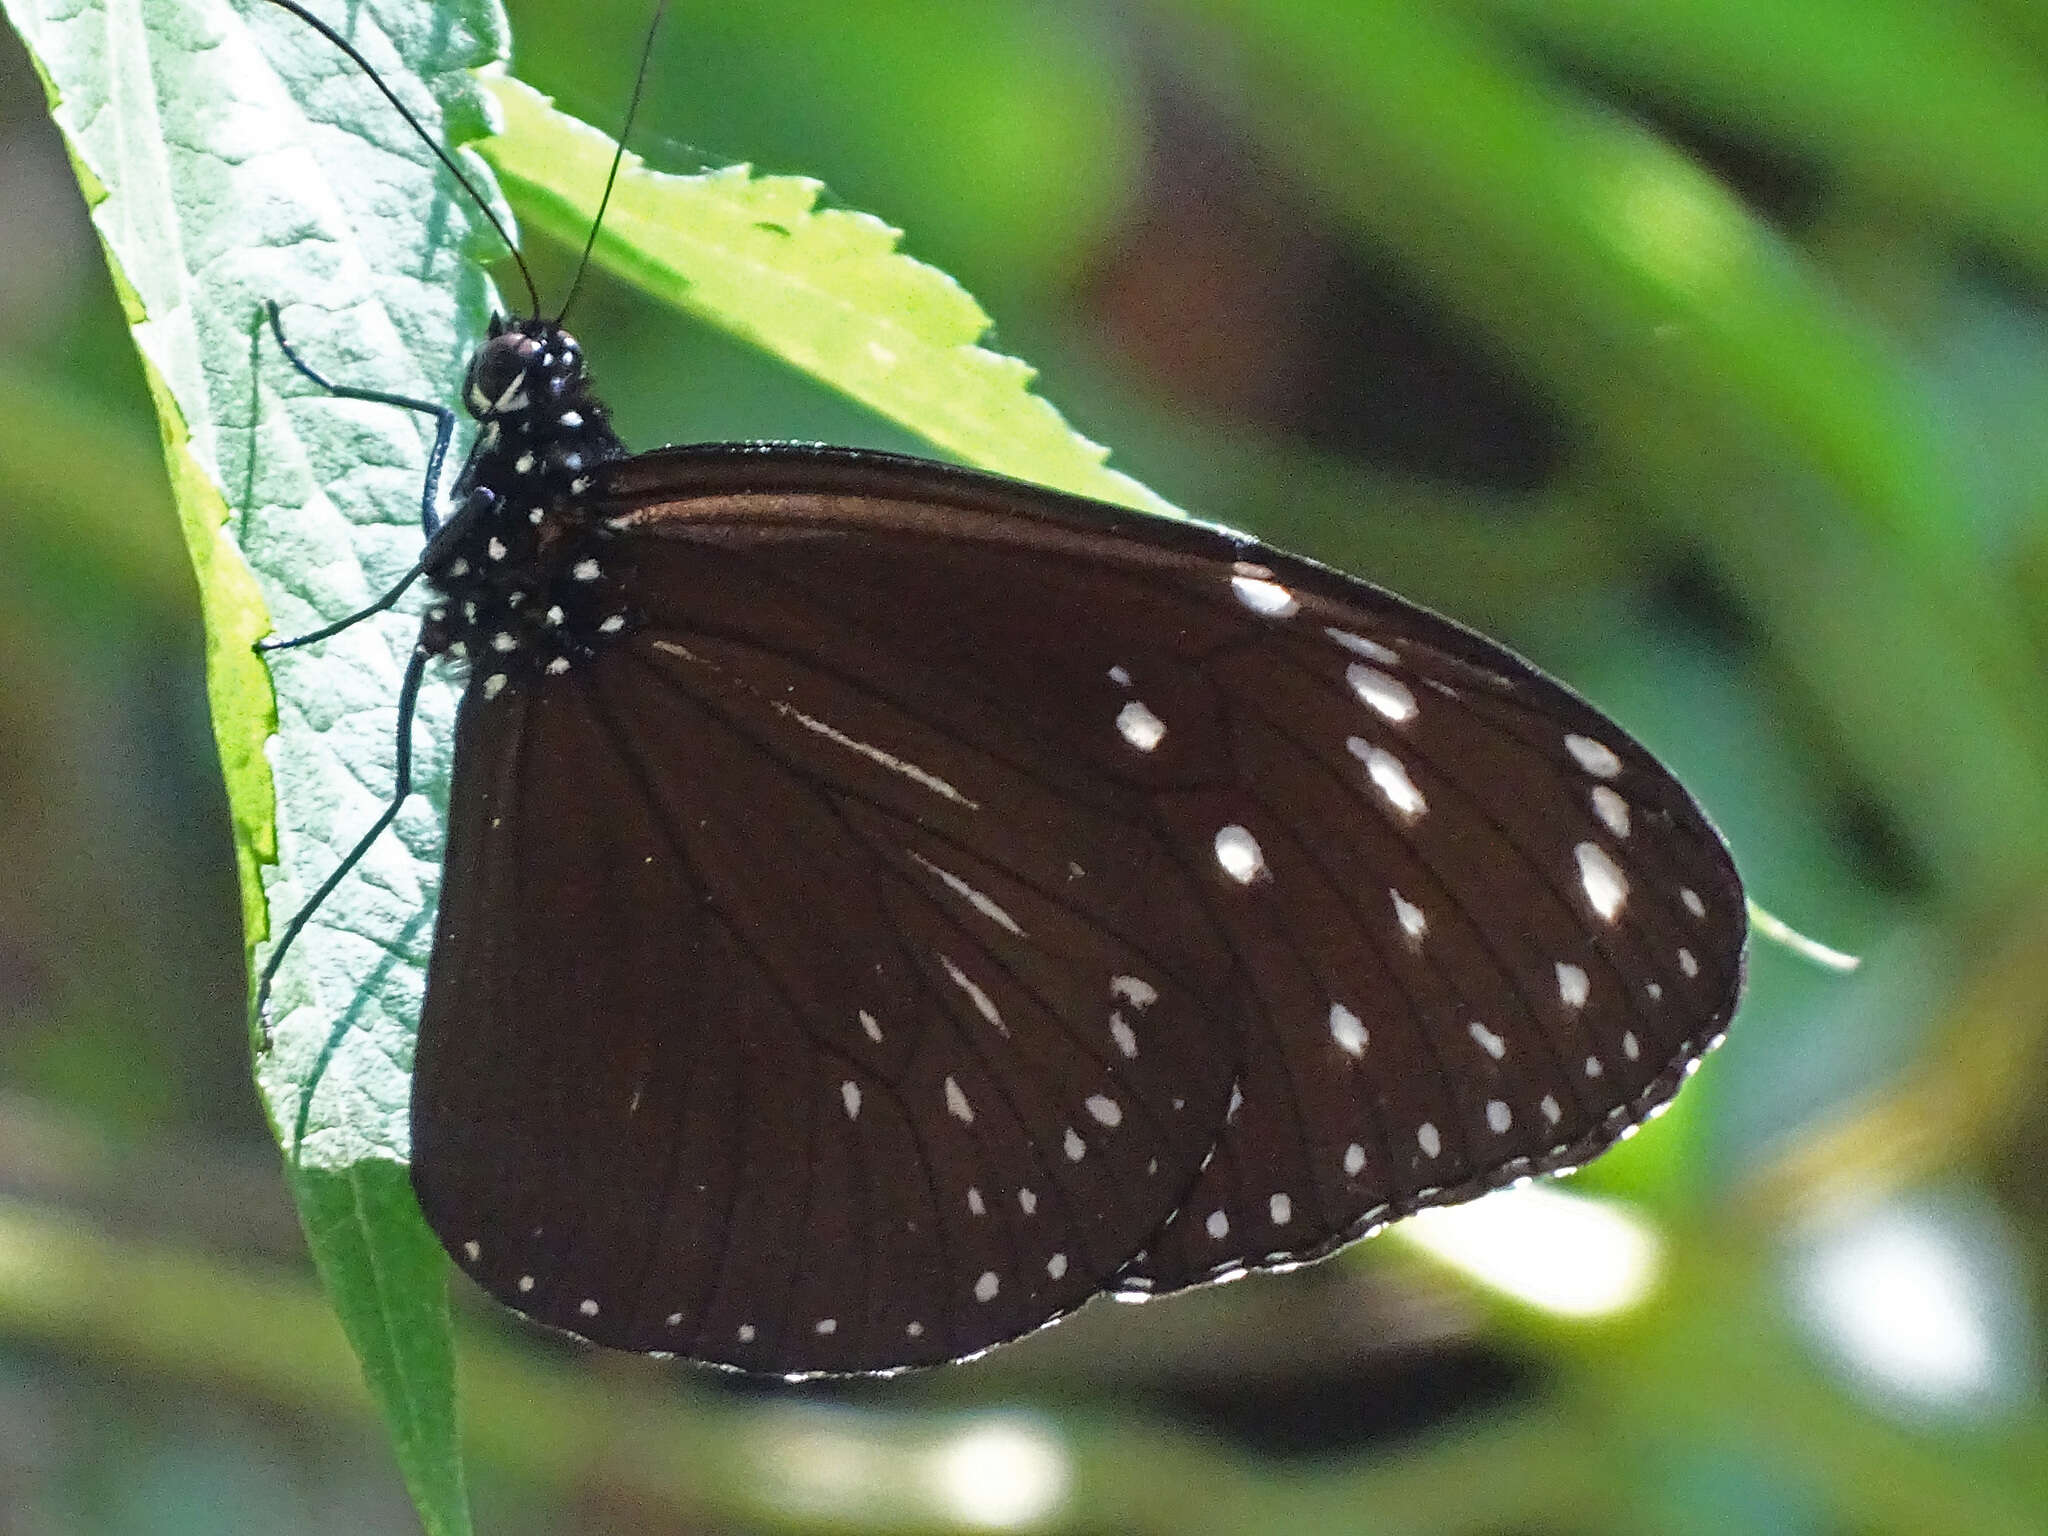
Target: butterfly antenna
{"x":426,"y":138}
{"x":618,"y":156}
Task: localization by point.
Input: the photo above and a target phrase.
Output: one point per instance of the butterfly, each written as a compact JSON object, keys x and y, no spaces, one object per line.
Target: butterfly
{"x":886,"y":905}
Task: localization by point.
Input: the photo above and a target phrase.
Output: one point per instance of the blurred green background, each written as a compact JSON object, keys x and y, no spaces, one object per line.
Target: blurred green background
{"x":1698,"y":350}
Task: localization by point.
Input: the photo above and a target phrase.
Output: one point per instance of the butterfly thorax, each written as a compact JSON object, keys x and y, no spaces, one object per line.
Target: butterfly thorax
{"x":526,"y":580}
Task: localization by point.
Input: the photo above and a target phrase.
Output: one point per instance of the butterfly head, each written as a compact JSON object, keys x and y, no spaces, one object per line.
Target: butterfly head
{"x":524,"y":367}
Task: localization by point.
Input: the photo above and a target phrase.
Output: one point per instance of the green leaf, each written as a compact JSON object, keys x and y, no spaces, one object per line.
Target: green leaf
{"x":825,"y":289}
{"x":233,"y":158}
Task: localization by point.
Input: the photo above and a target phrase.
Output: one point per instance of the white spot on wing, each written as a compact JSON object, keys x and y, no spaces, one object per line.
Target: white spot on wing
{"x":983,"y":1003}
{"x":1692,"y":901}
{"x":1281,"y":1209}
{"x":1126,"y":1038}
{"x":981,"y":903}
{"x":1611,"y":809}
{"x":1597,"y":758}
{"x":1630,"y":1046}
{"x":1347,"y":1030}
{"x":1551,"y":1110}
{"x":1354,"y":1159}
{"x":1218,"y":1225}
{"x":826,"y":1325}
{"x":1120,"y":677}
{"x":587,"y":1307}
{"x":849,"y":1093}
{"x":1389,"y":777}
{"x":1135,"y":990}
{"x":1139,"y":726}
{"x":1105,"y":1109}
{"x":975,"y":1204}
{"x":870,"y":1027}
{"x":1413,"y":924}
{"x":986,"y":1287}
{"x":1358,"y":645}
{"x":957,"y":1105}
{"x":1263,"y":595}
{"x":1240,"y":855}
{"x":1498,"y":1117}
{"x":1387,"y":695}
{"x":1572,"y":986}
{"x":1429,"y":1139}
{"x":1606,"y":887}
{"x":1688,"y":964}
{"x":1487,"y":1040}
{"x":1056,"y":1266}
{"x":1076,"y":1148}
{"x":746,"y":1333}
{"x":1028,"y":1202}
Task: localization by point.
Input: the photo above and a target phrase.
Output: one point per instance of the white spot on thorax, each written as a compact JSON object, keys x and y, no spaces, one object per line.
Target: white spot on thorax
{"x":1606,"y":887}
{"x":983,"y":1003}
{"x":1427,"y":1137}
{"x":986,"y":1287}
{"x":557,"y":667}
{"x":495,"y":549}
{"x":957,"y":1105}
{"x":523,"y":465}
{"x":1218,"y":1225}
{"x":1347,"y":1030}
{"x":571,"y":419}
{"x":1358,"y":645}
{"x":1498,"y":1117}
{"x":1611,"y":809}
{"x":1389,"y":777}
{"x":1139,"y":726}
{"x":1388,"y":695}
{"x":1487,"y":1040}
{"x":849,"y":1091}
{"x":1105,"y":1109}
{"x":503,"y":642}
{"x":981,"y":903}
{"x":1240,"y":855}
{"x":1281,"y":1209}
{"x":611,"y":624}
{"x":585,"y":570}
{"x":1595,"y":757}
{"x":1572,"y":986}
{"x":494,"y":685}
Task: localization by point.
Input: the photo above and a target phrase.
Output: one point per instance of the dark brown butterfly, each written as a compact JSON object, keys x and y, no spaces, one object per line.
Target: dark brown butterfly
{"x":886,"y":905}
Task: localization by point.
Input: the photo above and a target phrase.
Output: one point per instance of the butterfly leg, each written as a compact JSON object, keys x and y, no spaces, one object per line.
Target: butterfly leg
{"x":401,"y":787}
{"x":478,"y":502}
{"x":444,"y":418}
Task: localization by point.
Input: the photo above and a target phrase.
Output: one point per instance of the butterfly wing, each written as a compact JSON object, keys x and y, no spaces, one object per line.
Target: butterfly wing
{"x":1240,"y":906}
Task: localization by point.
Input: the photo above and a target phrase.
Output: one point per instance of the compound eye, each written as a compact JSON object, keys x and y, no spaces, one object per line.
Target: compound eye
{"x":498,"y":374}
